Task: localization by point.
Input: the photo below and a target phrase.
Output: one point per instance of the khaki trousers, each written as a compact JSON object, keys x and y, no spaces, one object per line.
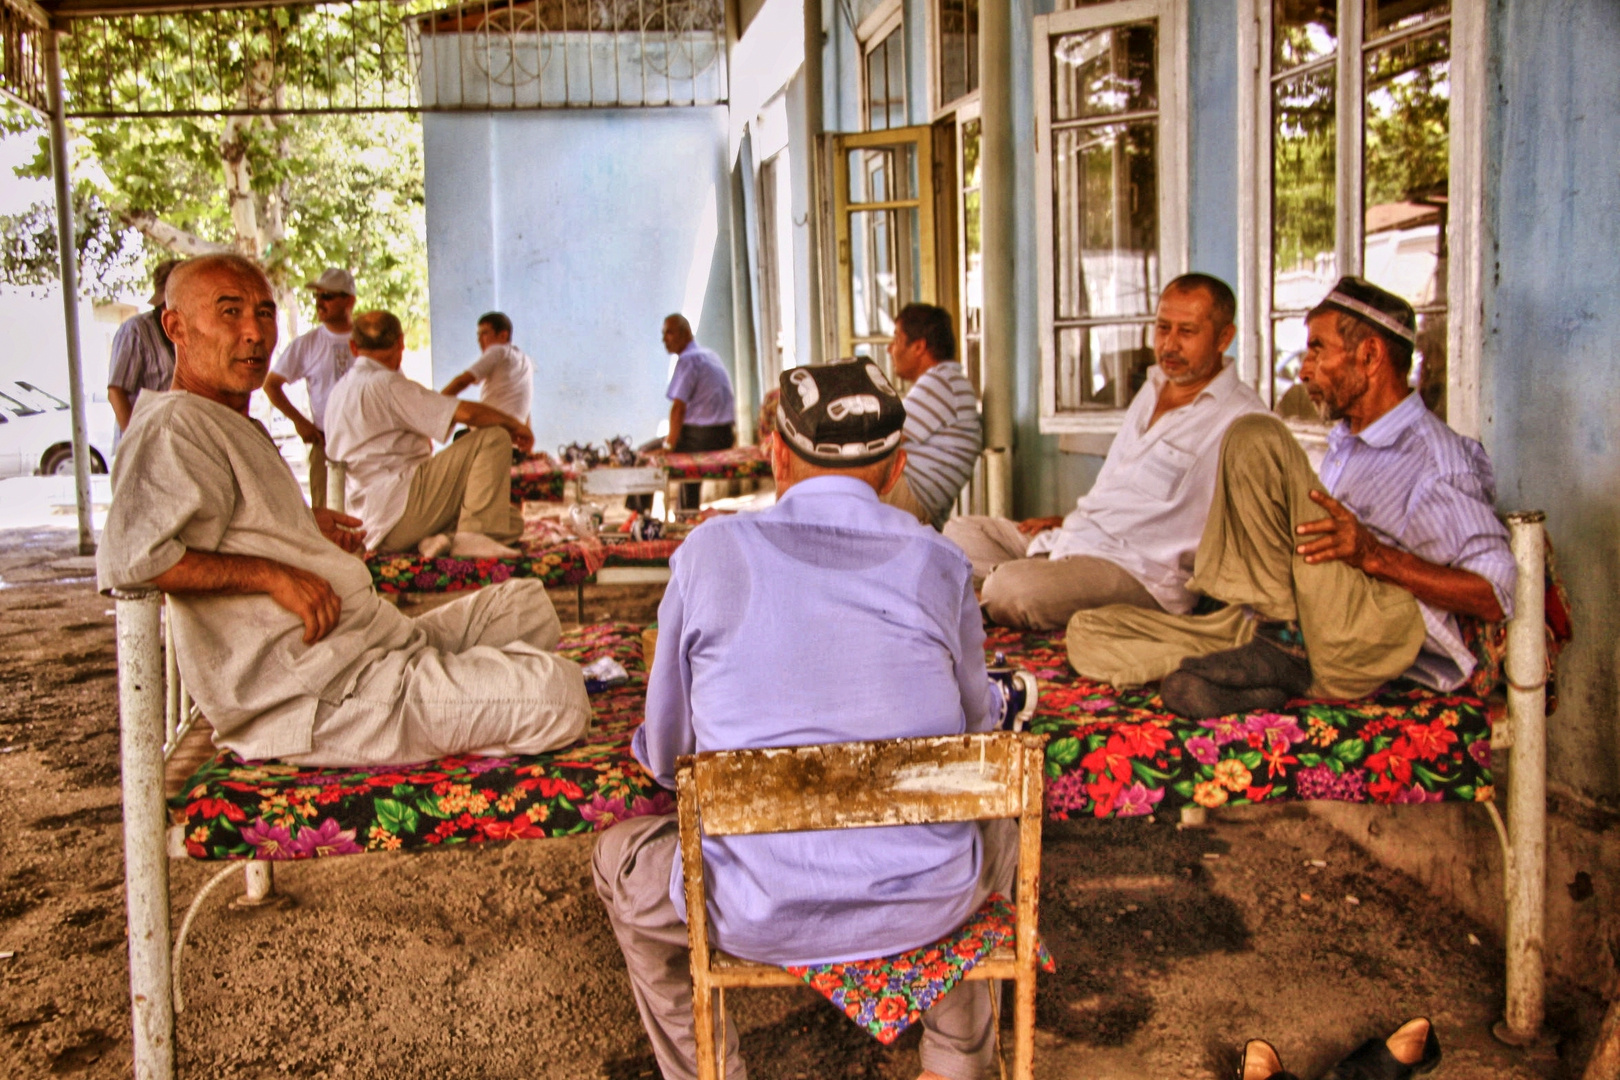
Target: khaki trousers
{"x":1359,"y":632}
{"x":467,"y":485}
{"x":476,"y":677}
{"x":632,"y":865}
{"x":901,"y":498}
{"x":1038,"y":593}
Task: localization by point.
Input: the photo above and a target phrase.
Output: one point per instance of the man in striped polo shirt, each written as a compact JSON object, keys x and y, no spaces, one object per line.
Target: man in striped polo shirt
{"x":943,"y":435}
{"x":1333,"y":584}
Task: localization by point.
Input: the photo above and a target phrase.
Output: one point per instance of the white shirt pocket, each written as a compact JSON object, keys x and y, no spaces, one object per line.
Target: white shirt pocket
{"x":1163,"y":469}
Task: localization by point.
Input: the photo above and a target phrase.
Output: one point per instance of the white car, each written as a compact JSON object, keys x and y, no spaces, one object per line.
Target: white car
{"x":36,"y":431}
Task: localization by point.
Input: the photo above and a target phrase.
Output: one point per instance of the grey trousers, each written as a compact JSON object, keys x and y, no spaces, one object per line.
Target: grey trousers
{"x":1038,"y":593}
{"x":632,"y":866}
{"x":467,"y":485}
{"x":477,"y":677}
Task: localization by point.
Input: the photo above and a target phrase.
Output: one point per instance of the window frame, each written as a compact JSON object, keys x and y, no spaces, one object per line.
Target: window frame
{"x":1465,"y":194}
{"x":1174,"y":189}
{"x":936,"y":71}
{"x":874,"y":30}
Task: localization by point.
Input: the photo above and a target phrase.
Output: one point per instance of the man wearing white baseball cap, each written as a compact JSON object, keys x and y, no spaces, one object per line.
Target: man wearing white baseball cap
{"x":320,"y":358}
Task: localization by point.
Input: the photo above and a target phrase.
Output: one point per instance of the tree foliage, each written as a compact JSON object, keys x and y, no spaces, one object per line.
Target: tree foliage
{"x":299,"y":192}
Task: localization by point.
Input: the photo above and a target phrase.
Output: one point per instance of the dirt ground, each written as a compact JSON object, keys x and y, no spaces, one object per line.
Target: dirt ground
{"x":1172,"y":946}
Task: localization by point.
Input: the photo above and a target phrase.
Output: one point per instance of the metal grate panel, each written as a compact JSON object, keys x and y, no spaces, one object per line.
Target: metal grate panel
{"x":392,"y":56}
{"x":22,"y":54}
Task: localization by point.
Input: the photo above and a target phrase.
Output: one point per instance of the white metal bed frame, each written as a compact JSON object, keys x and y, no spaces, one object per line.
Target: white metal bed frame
{"x":155,"y":712}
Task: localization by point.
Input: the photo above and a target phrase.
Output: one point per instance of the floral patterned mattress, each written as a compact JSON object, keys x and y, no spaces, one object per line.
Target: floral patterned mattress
{"x":1111,"y":754}
{"x":567,"y":563}
{"x":540,"y":479}
{"x":738,"y":463}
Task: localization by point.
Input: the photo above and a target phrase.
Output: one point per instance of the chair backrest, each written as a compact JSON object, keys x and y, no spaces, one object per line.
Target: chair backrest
{"x":862,"y":784}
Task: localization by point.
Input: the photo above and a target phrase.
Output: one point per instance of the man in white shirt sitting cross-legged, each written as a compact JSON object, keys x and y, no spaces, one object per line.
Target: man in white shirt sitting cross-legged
{"x":503,"y":372}
{"x":382,"y":426}
{"x":1132,"y":537}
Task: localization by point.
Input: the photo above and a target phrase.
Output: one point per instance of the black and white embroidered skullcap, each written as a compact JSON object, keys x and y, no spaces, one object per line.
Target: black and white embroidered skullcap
{"x":1366,"y":301}
{"x":841,"y":416}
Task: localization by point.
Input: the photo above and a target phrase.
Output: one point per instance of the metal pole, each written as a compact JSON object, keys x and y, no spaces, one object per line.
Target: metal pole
{"x":337,"y":473}
{"x":1527,"y":784}
{"x":999,"y":188}
{"x":67,"y":256}
{"x":146,"y":863}
{"x":814,"y":48}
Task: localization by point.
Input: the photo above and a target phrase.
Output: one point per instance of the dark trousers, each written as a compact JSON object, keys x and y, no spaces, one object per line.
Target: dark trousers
{"x":693,"y":437}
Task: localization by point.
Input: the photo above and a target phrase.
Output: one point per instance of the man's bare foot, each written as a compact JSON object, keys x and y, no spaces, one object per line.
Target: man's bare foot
{"x":431,"y":547}
{"x":1260,"y":1060}
{"x":926,"y":1075}
{"x":1406,"y":1045}
{"x":471,"y":545}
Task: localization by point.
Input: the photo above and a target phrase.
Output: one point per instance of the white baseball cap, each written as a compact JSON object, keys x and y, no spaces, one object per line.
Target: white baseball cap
{"x":334,"y":280}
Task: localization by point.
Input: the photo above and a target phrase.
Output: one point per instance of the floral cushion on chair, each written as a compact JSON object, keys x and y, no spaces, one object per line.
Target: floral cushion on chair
{"x":889,"y":994}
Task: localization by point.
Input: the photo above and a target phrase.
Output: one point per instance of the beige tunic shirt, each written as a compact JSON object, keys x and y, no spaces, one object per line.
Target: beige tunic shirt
{"x":382,"y":426}
{"x":193,"y":474}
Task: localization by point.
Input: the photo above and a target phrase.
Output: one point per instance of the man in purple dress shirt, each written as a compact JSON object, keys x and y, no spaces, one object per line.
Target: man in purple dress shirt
{"x":828,"y":618}
{"x":1337,"y":584}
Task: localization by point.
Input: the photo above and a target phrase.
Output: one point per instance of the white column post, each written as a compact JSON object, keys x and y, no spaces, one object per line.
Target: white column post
{"x":997,"y":152}
{"x":67,"y":257}
{"x":1526,"y":884}
{"x":146,"y":862}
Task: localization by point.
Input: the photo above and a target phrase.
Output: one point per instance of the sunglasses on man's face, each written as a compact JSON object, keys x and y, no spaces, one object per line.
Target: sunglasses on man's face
{"x":330,"y":295}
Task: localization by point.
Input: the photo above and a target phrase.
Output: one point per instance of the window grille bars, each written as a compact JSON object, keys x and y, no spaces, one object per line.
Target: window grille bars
{"x":358,"y":56}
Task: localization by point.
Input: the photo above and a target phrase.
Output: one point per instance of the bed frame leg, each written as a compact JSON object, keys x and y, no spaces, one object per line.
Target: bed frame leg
{"x":141,"y":699}
{"x":1194,"y":817}
{"x":1526,"y":876}
{"x":259,"y":885}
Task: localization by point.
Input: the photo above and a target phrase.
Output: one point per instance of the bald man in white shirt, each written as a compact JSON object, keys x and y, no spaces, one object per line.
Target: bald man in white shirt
{"x":1132,"y":537}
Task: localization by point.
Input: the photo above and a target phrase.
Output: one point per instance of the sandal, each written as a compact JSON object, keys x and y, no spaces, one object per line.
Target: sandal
{"x":1253,"y":1052}
{"x":1373,"y":1061}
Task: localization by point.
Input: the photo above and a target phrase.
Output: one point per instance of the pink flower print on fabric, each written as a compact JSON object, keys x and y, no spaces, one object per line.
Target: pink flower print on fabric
{"x":329,"y":838}
{"x":269,"y":841}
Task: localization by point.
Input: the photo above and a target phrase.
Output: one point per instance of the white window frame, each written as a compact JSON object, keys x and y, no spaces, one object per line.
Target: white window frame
{"x":1465,"y":186}
{"x":1173,"y":187}
{"x":936,"y":72}
{"x":873,"y":31}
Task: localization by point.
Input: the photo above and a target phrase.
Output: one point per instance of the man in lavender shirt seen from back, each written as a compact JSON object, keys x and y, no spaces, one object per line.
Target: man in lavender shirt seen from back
{"x":828,"y":618}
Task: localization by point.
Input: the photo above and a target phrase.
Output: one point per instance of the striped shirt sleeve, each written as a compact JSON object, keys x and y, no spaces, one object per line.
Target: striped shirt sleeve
{"x":943,"y":437}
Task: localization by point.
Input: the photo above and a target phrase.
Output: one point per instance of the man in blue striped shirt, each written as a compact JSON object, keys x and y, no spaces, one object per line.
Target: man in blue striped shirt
{"x":1337,"y":584}
{"x":943,"y":432}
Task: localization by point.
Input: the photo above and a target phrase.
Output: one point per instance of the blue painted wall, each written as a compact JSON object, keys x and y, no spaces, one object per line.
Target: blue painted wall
{"x":1552,"y":318}
{"x":587,"y":227}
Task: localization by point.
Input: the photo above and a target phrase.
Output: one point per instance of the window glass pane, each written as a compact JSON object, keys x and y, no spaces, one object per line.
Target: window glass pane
{"x":1287,"y":349}
{"x":1105,"y":220}
{"x":971,"y":45}
{"x":884,"y":173}
{"x":1429,"y":361}
{"x":1385,"y":17}
{"x":1302,"y":32}
{"x":883,"y":253}
{"x":1304,"y":260}
{"x":952,"y":21}
{"x":896,"y":50}
{"x":1407,"y":155}
{"x":1101,"y":366}
{"x":1104,"y":72}
{"x":877,"y":90}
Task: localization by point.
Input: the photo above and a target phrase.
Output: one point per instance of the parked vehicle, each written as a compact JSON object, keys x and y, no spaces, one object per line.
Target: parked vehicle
{"x":36,"y":431}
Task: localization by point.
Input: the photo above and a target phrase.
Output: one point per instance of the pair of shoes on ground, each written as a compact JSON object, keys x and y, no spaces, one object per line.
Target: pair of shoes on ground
{"x":464,"y":545}
{"x":1259,"y":675}
{"x":1412,"y":1050}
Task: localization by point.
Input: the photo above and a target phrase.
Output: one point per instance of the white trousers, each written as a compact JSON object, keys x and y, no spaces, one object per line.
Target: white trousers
{"x":477,"y":678}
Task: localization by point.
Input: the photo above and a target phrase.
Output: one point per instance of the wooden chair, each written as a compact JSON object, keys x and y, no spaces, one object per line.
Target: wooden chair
{"x":851,"y":786}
